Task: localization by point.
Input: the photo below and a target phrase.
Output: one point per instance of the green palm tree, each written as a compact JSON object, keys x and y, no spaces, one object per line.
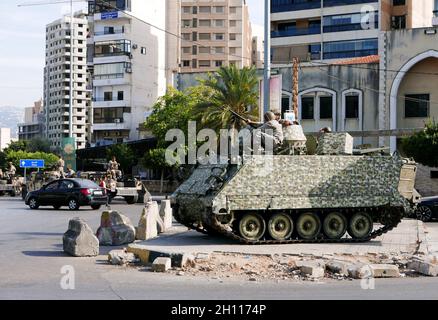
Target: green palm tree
{"x":231,"y":89}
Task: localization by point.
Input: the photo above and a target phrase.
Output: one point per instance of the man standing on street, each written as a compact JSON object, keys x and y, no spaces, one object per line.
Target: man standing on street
{"x":60,"y":167}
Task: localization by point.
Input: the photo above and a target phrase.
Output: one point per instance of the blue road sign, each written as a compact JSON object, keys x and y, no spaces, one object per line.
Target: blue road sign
{"x":109,"y":15}
{"x":32,"y":164}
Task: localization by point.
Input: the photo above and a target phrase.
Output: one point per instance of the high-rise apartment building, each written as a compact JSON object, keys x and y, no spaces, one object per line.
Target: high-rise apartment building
{"x":34,"y":120}
{"x":258,"y":51}
{"x":127,"y":52}
{"x":334,"y":29}
{"x":59,"y":43}
{"x":214,"y":33}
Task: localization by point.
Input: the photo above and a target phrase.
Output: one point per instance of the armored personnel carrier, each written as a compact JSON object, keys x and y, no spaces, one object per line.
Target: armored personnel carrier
{"x":333,"y":196}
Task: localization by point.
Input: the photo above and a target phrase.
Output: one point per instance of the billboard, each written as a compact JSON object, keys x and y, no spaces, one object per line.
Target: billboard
{"x":69,"y":153}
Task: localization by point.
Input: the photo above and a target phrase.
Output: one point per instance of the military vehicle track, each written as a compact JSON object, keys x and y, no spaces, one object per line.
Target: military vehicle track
{"x":222,"y":230}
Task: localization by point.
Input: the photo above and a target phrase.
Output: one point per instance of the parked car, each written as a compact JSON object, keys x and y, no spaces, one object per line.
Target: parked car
{"x":427,"y":209}
{"x":72,"y":193}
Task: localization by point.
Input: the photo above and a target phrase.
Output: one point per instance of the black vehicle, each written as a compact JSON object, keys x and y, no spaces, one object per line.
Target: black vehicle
{"x":72,"y":193}
{"x":427,"y":209}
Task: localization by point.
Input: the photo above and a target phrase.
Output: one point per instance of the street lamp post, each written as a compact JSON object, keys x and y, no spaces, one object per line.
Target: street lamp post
{"x":267,"y":69}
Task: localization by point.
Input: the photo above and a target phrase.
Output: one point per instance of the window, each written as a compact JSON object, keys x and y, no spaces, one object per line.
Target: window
{"x":187,"y":23}
{"x":233,"y":23}
{"x":399,"y":22}
{"x":232,"y":50}
{"x":349,"y":49}
{"x":194,"y":63}
{"x":204,"y":23}
{"x":108,"y":30}
{"x":118,"y":47}
{"x":204,"y":9}
{"x":233,"y":36}
{"x":398,"y":2}
{"x":204,"y":36}
{"x":233,"y":10}
{"x":352,"y":107}
{"x":219,"y":49}
{"x":186,"y":36}
{"x":67,"y":184}
{"x":219,"y":63}
{"x":52,"y":186}
{"x":194,"y":36}
{"x":194,"y":50}
{"x":186,"y":50}
{"x":204,"y":50}
{"x":143,"y":50}
{"x":417,"y":105}
{"x":204,"y":63}
{"x":219,"y":23}
{"x":120,"y":95}
{"x":307,"y":108}
{"x":220,"y":9}
{"x":219,"y":36}
{"x":107,"y":96}
{"x":325,"y":107}
{"x":186,"y":63}
{"x":186,"y":10}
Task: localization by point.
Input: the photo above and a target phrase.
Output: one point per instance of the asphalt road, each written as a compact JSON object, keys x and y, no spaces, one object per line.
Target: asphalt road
{"x":31,"y":260}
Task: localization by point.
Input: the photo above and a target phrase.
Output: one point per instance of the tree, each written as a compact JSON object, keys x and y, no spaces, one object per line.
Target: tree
{"x":174,"y":110}
{"x":15,"y":157}
{"x":423,"y":146}
{"x":124,"y":154}
{"x":232,"y":89}
{"x":38,"y":144}
{"x":20,"y":145}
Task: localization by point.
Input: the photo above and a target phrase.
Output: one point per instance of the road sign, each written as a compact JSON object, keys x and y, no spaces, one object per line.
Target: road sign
{"x":32,"y":164}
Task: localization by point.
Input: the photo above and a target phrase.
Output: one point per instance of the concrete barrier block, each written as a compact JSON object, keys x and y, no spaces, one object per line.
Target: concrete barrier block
{"x":385,"y":271}
{"x":115,"y":229}
{"x":161,"y":264}
{"x":166,"y":214}
{"x":147,"y":225}
{"x":79,"y":240}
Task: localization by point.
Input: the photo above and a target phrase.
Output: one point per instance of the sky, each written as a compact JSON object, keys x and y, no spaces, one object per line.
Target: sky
{"x":22,"y":46}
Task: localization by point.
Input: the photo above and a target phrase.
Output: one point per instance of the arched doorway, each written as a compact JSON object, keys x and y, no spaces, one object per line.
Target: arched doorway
{"x":414,"y":95}
{"x":317,"y":108}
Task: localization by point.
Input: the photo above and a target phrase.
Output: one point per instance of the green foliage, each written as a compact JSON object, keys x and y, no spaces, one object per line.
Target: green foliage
{"x":173,"y":111}
{"x":15,"y":157}
{"x":124,"y":154}
{"x":156,"y":159}
{"x":232,"y":88}
{"x":423,"y":146}
{"x":20,"y":145}
{"x":38,"y":144}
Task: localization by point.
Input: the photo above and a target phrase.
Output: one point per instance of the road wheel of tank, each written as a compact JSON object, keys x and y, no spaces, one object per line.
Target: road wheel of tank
{"x":423,"y":213}
{"x":334,"y":225}
{"x":280,"y":226}
{"x":308,"y":226}
{"x":33,"y":203}
{"x":73,"y":204}
{"x":131,"y":200}
{"x":360,"y":225}
{"x":252,"y":227}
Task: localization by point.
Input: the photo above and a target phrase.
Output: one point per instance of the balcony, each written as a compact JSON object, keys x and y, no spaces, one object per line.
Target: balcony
{"x":102,"y":103}
{"x":292,"y":32}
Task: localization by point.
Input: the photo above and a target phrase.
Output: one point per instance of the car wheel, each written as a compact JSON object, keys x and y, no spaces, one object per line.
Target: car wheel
{"x":57,"y":207}
{"x":131,"y":200}
{"x":96,"y":206}
{"x":33,"y":203}
{"x":424,"y":213}
{"x":73,"y":204}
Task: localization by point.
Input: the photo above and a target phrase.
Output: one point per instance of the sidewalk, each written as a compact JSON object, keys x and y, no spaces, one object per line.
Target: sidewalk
{"x":430,"y":239}
{"x":402,"y":240}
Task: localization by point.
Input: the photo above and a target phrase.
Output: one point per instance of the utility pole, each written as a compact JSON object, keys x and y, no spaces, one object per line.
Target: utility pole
{"x":72,"y":39}
{"x":267,"y":70}
{"x":295,"y":86}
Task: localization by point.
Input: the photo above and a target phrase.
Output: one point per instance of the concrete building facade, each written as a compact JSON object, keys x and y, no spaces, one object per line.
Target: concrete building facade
{"x":214,"y":33}
{"x":59,"y":42}
{"x":34,"y":121}
{"x":333,"y":29}
{"x":129,"y":62}
{"x":258,"y":51}
{"x":5,"y":138}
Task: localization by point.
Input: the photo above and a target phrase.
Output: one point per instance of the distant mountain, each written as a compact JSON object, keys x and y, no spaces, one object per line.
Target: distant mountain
{"x":10,"y":117}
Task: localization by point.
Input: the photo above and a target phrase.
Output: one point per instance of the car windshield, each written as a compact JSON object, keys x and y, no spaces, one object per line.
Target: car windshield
{"x":88,"y":184}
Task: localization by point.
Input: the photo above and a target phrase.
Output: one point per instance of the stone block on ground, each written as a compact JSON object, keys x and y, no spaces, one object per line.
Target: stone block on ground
{"x":360,"y":271}
{"x":187,"y":261}
{"x":79,"y":240}
{"x":424,"y":267}
{"x":384,"y":271}
{"x":121,"y":257}
{"x":312,"y":270}
{"x":148,"y":223}
{"x":166,"y":214}
{"x":115,"y":229}
{"x":161,"y":264}
{"x":339,"y":267}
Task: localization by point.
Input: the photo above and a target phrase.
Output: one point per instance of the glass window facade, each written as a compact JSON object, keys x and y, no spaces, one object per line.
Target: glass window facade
{"x":307,"y":108}
{"x":294,"y":5}
{"x":350,"y":49}
{"x":417,"y":105}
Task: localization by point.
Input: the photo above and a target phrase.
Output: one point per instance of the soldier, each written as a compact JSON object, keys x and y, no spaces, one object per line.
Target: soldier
{"x":70,"y":173}
{"x":60,"y":167}
{"x":113,"y":168}
{"x":12,"y":170}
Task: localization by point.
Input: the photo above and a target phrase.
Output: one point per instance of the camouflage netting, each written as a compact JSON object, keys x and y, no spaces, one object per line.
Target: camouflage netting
{"x":335,"y":144}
